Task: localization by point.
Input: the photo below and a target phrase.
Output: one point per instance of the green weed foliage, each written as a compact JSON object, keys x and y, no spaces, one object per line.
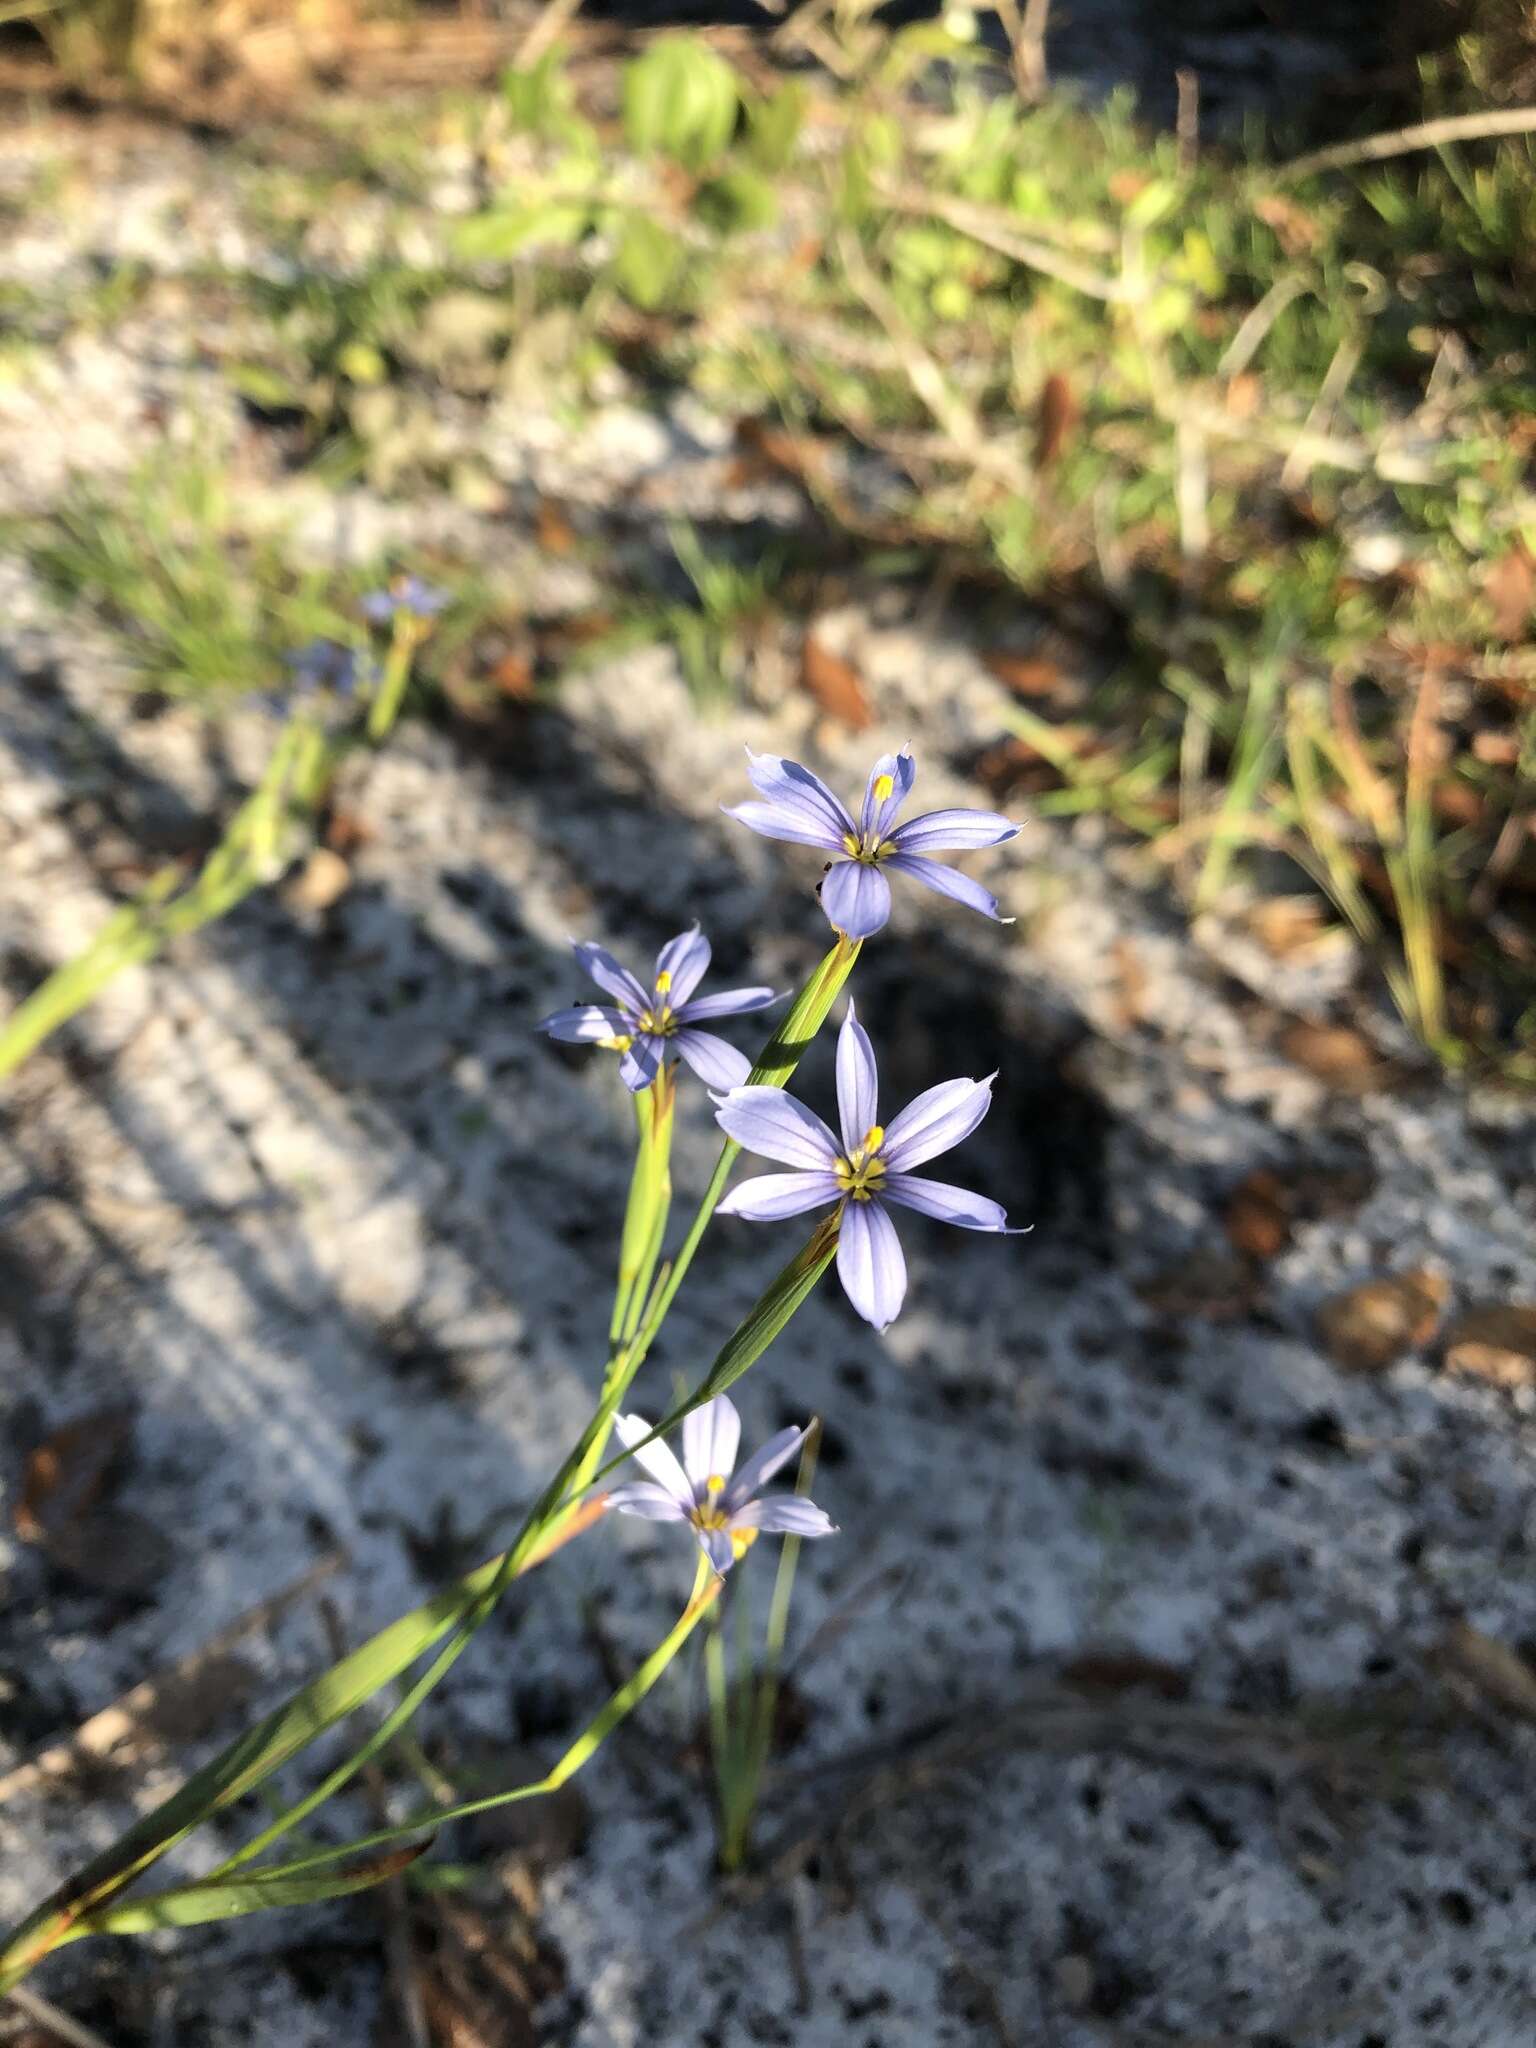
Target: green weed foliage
{"x":1271,"y":430}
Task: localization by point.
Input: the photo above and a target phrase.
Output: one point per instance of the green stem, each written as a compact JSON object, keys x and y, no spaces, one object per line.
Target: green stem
{"x":706,"y":1589}
{"x":408,"y":633}
{"x":88,"y":1897}
{"x":645,"y":1214}
{"x":778,"y":1060}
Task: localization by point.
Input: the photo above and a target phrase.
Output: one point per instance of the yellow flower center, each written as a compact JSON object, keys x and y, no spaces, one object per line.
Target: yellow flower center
{"x":711,"y":1516}
{"x":861,"y":1172}
{"x":869,"y":847}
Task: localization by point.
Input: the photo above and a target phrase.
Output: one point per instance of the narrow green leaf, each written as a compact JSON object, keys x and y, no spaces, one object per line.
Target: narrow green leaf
{"x":258,"y":1892}
{"x":624,"y":1701}
{"x":245,"y":1764}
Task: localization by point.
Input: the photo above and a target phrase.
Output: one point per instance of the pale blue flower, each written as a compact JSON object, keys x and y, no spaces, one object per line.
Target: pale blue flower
{"x":405,"y":594}
{"x":864,"y":1171}
{"x":328,"y":665}
{"x":644,"y":1027}
{"x":854,"y":892}
{"x":723,"y":1511}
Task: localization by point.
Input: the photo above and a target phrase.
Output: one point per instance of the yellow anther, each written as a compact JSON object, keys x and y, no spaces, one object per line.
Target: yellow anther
{"x":742,"y":1541}
{"x":663,"y":982}
{"x":715,"y":1483}
{"x":850,"y":845}
{"x":884,"y":784}
{"x":874,"y":1138}
{"x":619,"y":1042}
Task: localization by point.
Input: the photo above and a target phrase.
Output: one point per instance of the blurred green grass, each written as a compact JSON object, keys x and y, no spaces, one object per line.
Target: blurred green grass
{"x":1270,"y":433}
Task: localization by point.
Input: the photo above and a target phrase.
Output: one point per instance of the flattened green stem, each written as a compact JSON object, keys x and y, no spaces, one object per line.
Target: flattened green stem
{"x":406,"y":637}
{"x":140,"y":1915}
{"x":650,"y":1196}
{"x":461,"y":1610}
{"x":779,"y":1059}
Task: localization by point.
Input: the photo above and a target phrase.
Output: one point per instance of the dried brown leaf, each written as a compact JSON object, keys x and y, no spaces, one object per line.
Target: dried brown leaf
{"x":1335,"y":1053}
{"x":1496,"y":1343}
{"x":1510,"y":588}
{"x":1057,"y":416}
{"x":67,"y":1473}
{"x":345,"y":831}
{"x":1370,"y":1327}
{"x":1286,"y":926}
{"x":836,"y":685}
{"x":1258,"y":1215}
{"x":1035,"y":676}
{"x":1501,"y":1674}
{"x":552,"y":531}
{"x":512,"y":675}
{"x":323,"y":880}
{"x":1295,"y":229}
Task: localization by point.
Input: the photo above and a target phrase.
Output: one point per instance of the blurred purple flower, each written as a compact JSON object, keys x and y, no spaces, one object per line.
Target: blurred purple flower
{"x":723,"y":1512}
{"x":645,"y":1027}
{"x":328,"y":665}
{"x":870,"y":1168}
{"x":405,"y":594}
{"x":854,"y":892}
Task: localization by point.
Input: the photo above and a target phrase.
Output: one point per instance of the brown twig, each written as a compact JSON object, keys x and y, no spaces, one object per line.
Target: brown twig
{"x":1375,"y":149}
{"x":1025,"y":30}
{"x":554,"y":19}
{"x":57,"y":2022}
{"x":991,"y":226}
{"x":1187,"y":125}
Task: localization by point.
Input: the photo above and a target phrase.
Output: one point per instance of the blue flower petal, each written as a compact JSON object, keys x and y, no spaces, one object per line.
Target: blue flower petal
{"x":711,"y":1440}
{"x":778,"y":821}
{"x":588,"y":1024}
{"x":946,"y":882}
{"x":935,"y":1121}
{"x":785,"y":1515}
{"x":685,"y":959}
{"x":870,"y":1263}
{"x":776,"y":1126}
{"x":759,"y":1469}
{"x":948,"y":1204}
{"x":770,"y":1197}
{"x":796,"y":789}
{"x":608,"y":974}
{"x":879,"y":813}
{"x":731,"y":1002}
{"x":718,"y":1065}
{"x":858,"y":1082}
{"x":856,"y":898}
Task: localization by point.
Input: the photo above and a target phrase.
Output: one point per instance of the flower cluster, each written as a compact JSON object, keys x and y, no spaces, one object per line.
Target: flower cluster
{"x":861,"y":1172}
